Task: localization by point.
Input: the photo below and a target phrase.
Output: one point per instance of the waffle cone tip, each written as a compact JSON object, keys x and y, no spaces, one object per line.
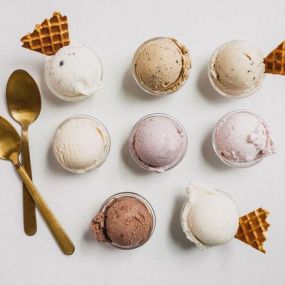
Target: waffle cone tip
{"x":275,"y":61}
{"x":49,"y":36}
{"x":253,"y":228}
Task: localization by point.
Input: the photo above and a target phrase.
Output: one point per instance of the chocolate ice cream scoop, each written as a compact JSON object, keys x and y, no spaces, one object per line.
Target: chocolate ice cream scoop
{"x":126,"y":220}
{"x":161,"y":66}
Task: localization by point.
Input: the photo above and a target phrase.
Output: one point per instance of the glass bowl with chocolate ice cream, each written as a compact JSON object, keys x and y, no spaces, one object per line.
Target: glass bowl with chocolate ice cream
{"x":126,"y":220}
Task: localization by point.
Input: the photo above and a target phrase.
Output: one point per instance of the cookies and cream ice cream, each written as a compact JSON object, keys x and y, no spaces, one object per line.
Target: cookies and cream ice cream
{"x":81,"y":143}
{"x":209,"y":217}
{"x":158,"y":142}
{"x":73,"y":73}
{"x":242,"y":139}
{"x":161,"y":65}
{"x":236,"y":69}
{"x":126,"y":220}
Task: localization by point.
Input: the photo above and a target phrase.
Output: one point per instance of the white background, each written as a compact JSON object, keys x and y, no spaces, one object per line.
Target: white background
{"x":114,"y":29}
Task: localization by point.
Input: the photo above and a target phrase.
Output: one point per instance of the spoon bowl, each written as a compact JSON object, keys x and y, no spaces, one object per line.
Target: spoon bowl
{"x":23,"y":97}
{"x":10,"y":142}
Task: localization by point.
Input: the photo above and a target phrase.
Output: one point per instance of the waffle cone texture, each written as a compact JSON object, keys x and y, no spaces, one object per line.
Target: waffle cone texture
{"x":252,"y":229}
{"x":49,"y":36}
{"x":275,"y":61}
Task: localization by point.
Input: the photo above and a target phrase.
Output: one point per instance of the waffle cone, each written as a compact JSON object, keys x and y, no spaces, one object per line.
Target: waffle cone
{"x":49,"y":36}
{"x":275,"y":61}
{"x":252,"y":228}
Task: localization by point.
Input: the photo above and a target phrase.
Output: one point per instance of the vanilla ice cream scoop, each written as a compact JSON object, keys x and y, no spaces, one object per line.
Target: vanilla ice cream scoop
{"x":73,"y":73}
{"x":158,"y":142}
{"x":81,"y":143}
{"x":161,"y":65}
{"x":242,"y":139}
{"x":236,"y":69}
{"x":209,"y":217}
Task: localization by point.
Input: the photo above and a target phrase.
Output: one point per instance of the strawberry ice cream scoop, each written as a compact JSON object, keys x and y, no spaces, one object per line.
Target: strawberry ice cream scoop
{"x":158,"y":142}
{"x":242,"y":139}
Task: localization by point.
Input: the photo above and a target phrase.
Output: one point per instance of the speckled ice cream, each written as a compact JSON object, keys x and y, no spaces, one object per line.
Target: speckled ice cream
{"x":161,"y":65}
{"x":73,"y":73}
{"x":81,"y":143}
{"x":209,"y":217}
{"x":236,"y":69}
{"x":242,"y":138}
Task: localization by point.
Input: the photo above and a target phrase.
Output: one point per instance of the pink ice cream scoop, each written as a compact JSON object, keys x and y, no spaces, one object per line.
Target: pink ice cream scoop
{"x":242,"y":139}
{"x":158,"y":142}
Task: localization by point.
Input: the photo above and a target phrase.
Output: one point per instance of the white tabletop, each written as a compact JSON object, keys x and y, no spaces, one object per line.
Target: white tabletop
{"x":114,"y":29}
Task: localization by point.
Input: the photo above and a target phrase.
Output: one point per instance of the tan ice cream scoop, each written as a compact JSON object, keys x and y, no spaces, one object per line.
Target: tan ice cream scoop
{"x":161,"y":66}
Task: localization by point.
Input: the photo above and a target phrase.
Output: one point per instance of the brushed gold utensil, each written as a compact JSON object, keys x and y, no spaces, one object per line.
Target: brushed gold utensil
{"x":10,"y":147}
{"x":24,"y":104}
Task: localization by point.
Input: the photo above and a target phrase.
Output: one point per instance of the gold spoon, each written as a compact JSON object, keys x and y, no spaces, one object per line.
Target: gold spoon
{"x":10,"y":147}
{"x":24,"y":104}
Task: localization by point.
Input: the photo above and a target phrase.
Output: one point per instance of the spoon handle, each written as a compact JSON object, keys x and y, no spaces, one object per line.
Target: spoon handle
{"x":57,"y":230}
{"x":30,"y":222}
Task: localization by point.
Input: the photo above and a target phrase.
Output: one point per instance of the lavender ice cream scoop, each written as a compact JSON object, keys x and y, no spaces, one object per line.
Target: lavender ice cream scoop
{"x":242,"y":139}
{"x":158,"y":142}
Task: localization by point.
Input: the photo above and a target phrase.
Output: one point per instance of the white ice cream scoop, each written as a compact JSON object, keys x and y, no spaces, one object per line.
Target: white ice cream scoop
{"x":73,"y":73}
{"x":236,"y":69}
{"x":81,"y":143}
{"x":209,"y":217}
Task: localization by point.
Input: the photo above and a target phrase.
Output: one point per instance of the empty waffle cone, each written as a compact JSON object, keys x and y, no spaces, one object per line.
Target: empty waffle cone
{"x":275,"y":61}
{"x":252,"y":228}
{"x":49,"y":36}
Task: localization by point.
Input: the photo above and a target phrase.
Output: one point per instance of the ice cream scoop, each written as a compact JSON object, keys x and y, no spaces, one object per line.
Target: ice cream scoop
{"x":73,"y":73}
{"x":236,"y":69}
{"x":81,"y":143}
{"x":126,"y":220}
{"x":158,"y":142}
{"x":242,"y":139}
{"x":209,"y":217}
{"x":161,"y":65}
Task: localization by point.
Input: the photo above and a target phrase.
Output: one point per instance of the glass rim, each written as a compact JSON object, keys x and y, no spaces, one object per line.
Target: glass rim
{"x":169,"y":166}
{"x":143,"y":86}
{"x":233,"y":164}
{"x":107,"y":150}
{"x":145,"y":202}
{"x":215,"y":86}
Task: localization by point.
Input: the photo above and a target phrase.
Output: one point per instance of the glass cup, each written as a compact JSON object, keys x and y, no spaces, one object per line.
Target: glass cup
{"x":215,"y":83}
{"x":234,"y":164}
{"x":106,"y":150}
{"x":141,"y":84}
{"x":148,"y":206}
{"x":170,"y":165}
{"x":78,"y":97}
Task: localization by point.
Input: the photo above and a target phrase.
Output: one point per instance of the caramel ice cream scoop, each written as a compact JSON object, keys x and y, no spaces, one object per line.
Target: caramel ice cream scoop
{"x":161,"y":66}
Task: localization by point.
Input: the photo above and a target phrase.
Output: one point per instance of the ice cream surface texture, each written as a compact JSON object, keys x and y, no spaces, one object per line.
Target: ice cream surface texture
{"x":81,"y":143}
{"x":236,"y":69}
{"x":73,"y":73}
{"x":158,"y":142}
{"x":209,"y":217}
{"x":242,"y":138}
{"x":161,"y":65}
{"x":125,"y":221}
